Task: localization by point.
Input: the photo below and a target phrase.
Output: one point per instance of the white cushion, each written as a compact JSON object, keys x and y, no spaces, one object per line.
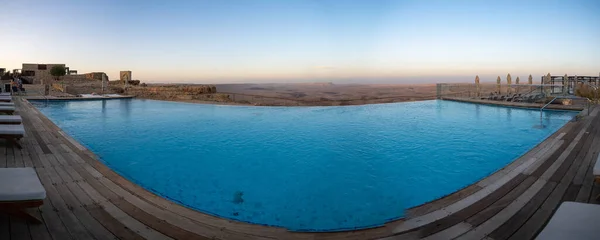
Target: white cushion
{"x":12,"y":129}
{"x":573,"y":220}
{"x":10,"y":119}
{"x":7,"y":104}
{"x":20,"y":184}
{"x":7,"y":108}
{"x":597,"y":167}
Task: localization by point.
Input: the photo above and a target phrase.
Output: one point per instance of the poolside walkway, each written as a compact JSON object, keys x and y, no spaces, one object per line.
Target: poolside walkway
{"x":86,"y":200}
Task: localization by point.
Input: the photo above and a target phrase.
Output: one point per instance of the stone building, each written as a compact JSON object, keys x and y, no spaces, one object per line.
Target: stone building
{"x":37,"y":73}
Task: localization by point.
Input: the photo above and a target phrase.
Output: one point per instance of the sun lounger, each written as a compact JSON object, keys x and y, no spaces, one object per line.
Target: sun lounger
{"x":5,"y":94}
{"x":5,"y":99}
{"x":10,"y":119}
{"x":7,"y":109}
{"x":20,"y":188}
{"x":12,"y":133}
{"x":573,"y":220}
{"x":7,"y":104}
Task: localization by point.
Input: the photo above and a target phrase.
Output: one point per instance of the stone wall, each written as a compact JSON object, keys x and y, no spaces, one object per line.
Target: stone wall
{"x":41,"y":72}
{"x":179,"y":92}
{"x":93,"y":76}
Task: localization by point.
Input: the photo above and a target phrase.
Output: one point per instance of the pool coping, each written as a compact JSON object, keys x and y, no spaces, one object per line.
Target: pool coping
{"x":54,"y":98}
{"x":514,"y":104}
{"x":437,"y":209}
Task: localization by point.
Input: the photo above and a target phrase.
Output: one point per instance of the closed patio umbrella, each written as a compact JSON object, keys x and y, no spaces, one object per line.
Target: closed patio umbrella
{"x":498,"y":80}
{"x":547,"y":81}
{"x":509,"y":82}
{"x":477,"y":85}
{"x":565,"y":84}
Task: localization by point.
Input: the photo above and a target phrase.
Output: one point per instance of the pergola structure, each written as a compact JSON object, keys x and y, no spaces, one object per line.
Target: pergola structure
{"x":558,"y":82}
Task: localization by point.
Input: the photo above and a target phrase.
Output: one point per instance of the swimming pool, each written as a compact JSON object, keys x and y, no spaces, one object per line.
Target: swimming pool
{"x":303,"y":168}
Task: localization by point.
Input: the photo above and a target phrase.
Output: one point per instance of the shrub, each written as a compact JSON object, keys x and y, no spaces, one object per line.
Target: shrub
{"x":588,"y":92}
{"x":57,"y":72}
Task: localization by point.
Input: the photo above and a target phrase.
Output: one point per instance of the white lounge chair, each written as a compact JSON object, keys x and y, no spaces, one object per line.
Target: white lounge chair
{"x":573,"y":220}
{"x":4,"y":94}
{"x":5,"y":99}
{"x":20,"y":188}
{"x":12,"y":133}
{"x":10,"y":119}
{"x":7,"y":109}
{"x":7,"y":104}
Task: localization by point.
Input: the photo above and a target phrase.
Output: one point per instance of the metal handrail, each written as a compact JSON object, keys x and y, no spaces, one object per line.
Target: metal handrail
{"x":542,"y":111}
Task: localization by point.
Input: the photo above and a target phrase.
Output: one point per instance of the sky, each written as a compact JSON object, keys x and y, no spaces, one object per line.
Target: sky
{"x":233,"y":41}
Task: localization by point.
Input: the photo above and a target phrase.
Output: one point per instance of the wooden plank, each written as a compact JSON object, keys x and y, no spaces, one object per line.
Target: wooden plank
{"x":589,"y":151}
{"x":586,"y":188}
{"x":10,"y":156}
{"x":594,"y":194}
{"x":590,"y":158}
{"x":4,"y":226}
{"x":505,"y":214}
{"x":154,"y":222}
{"x":516,"y":221}
{"x":442,"y":202}
{"x":3,"y":159}
{"x":471,"y":210}
{"x":571,"y":193}
{"x":58,"y":156}
{"x":39,"y":231}
{"x":53,"y":224}
{"x":71,"y":223}
{"x":95,"y":228}
{"x":131,"y":222}
{"x":27,"y":158}
{"x":92,"y":188}
{"x":19,"y":229}
{"x":564,"y":175}
{"x":19,"y":162}
{"x":41,"y":143}
{"x":112,"y":224}
{"x":503,"y":202}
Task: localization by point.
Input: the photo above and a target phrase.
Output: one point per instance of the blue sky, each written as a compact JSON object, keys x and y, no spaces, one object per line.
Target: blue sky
{"x":298,"y":41}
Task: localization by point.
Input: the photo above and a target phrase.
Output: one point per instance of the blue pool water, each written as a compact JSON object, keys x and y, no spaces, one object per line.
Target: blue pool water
{"x":303,"y":168}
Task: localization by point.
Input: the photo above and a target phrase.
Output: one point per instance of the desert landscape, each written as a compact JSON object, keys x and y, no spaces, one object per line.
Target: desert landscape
{"x":264,"y":94}
{"x":325,"y":94}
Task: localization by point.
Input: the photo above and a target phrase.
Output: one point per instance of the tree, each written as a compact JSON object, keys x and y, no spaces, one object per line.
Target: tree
{"x":58,"y":71}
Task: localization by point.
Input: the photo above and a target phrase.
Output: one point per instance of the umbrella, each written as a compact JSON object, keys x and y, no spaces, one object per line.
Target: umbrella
{"x":498,"y":80}
{"x":530,"y":80}
{"x":477,"y":84}
{"x":517,"y":80}
{"x":565,"y":82}
{"x":547,"y":81}
{"x":509,"y":82}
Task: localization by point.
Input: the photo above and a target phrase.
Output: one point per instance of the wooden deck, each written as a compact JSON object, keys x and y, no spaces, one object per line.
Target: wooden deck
{"x":86,"y":200}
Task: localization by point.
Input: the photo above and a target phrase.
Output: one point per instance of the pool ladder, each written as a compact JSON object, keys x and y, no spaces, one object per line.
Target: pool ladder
{"x":542,"y":111}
